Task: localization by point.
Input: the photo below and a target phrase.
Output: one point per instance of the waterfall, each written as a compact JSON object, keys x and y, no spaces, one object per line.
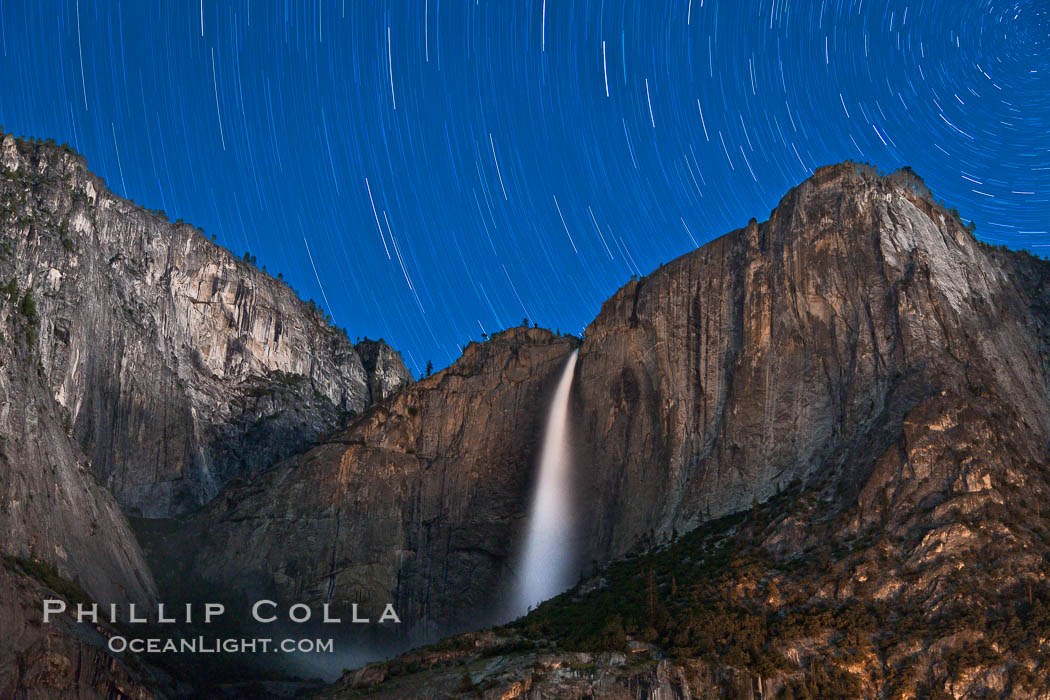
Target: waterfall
{"x":546,"y":565}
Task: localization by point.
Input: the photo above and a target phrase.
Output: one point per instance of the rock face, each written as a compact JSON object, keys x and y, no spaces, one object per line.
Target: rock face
{"x":861,"y":342}
{"x":55,"y":519}
{"x":831,"y":340}
{"x":138,"y":356}
{"x":177,"y":365}
{"x":864,"y":388}
{"x":51,"y":507}
{"x":417,"y":502}
{"x":859,"y":361}
{"x":61,"y":659}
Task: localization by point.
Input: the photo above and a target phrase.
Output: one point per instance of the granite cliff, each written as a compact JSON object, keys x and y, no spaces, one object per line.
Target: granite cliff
{"x":61,"y":535}
{"x":814,"y":345}
{"x":810,"y":456}
{"x":141,"y":366}
{"x":860,"y":344}
{"x":417,"y":502}
{"x":177,"y":365}
{"x":846,"y":408}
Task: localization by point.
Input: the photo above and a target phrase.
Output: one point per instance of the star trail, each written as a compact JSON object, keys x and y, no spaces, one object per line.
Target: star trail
{"x":433,"y":170}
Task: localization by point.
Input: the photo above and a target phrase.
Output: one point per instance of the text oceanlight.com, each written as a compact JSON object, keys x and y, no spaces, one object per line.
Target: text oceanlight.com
{"x":206,"y":645}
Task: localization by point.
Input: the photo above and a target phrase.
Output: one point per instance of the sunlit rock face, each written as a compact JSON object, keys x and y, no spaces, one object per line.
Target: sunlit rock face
{"x":861,"y":341}
{"x":178,"y":365}
{"x":841,"y":338}
{"x":420,"y":502}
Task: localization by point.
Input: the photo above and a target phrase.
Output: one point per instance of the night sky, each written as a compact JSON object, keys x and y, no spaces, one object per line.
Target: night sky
{"x":432,"y":170}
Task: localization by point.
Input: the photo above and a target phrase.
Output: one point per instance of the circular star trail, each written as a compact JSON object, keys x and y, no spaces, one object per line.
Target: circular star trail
{"x":430,"y":171}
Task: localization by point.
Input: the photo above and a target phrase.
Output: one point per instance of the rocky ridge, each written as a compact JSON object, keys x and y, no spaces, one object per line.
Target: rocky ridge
{"x":859,"y":388}
{"x":805,"y":347}
{"x":177,"y":365}
{"x":846,"y":407}
{"x":141,"y":366}
{"x":417,"y":502}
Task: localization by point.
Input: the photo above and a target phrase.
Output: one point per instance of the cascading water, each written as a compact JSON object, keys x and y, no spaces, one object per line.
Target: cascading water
{"x":546,"y":565}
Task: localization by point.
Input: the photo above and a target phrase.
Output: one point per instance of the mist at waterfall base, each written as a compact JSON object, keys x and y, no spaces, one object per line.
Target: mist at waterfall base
{"x":547,"y":566}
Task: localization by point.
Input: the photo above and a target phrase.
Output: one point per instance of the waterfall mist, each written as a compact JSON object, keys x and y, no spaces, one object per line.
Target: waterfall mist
{"x":546,"y":565}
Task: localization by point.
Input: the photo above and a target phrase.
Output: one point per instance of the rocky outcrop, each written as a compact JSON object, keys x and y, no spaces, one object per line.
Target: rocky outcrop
{"x":861,"y":342}
{"x":496,"y":666}
{"x":863,"y":387}
{"x":385,"y":369}
{"x":177,"y":365}
{"x":828,"y":342}
{"x":416,"y":503}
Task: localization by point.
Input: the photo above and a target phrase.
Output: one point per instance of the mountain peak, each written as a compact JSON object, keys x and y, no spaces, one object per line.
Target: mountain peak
{"x":856,"y":280}
{"x":854,"y":389}
{"x":138,"y":317}
{"x":853,"y":171}
{"x":846,"y":409}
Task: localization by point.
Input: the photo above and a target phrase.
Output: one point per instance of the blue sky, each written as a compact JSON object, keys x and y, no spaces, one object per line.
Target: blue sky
{"x":431,"y":170}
